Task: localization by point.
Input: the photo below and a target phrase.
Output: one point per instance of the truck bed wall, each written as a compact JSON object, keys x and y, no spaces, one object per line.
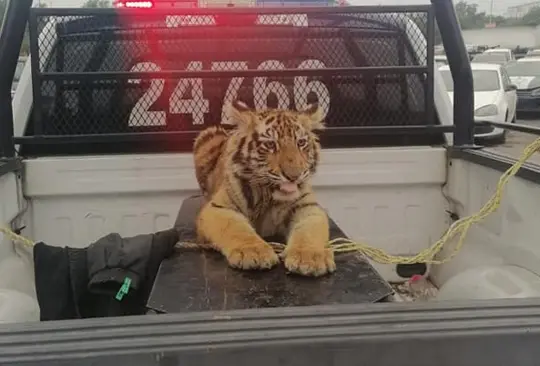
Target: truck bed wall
{"x":17,"y":291}
{"x":506,"y":239}
{"x":388,"y":197}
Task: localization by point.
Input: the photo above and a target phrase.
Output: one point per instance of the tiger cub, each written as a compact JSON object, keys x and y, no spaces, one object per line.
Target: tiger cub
{"x":256,"y":182}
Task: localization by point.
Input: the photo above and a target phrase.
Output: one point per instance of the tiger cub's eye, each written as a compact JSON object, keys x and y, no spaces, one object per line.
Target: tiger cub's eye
{"x":269,"y":145}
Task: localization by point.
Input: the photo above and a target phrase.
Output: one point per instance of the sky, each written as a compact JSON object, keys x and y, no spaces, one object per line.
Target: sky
{"x":499,"y":6}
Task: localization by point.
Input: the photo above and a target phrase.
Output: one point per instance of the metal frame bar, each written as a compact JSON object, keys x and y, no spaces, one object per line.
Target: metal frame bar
{"x":234,"y":10}
{"x":202,"y":32}
{"x":460,"y":68}
{"x":190,"y":135}
{"x":10,"y":165}
{"x":37,"y":110}
{"x":11,"y":37}
{"x":205,"y":74}
{"x":511,"y":126}
{"x":430,"y":86}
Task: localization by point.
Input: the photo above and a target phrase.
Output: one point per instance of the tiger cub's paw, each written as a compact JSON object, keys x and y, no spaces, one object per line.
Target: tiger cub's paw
{"x":254,"y":256}
{"x":309,"y":261}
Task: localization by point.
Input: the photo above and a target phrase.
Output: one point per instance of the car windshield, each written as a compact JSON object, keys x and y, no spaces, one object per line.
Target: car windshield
{"x":483,"y":80}
{"x":530,"y":68}
{"x":491,"y":57}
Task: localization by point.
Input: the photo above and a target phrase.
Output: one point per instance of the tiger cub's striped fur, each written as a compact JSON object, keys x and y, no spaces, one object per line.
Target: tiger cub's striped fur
{"x":256,"y":180}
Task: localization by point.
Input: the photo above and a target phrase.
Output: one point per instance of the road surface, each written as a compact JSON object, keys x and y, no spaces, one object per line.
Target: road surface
{"x":516,"y":142}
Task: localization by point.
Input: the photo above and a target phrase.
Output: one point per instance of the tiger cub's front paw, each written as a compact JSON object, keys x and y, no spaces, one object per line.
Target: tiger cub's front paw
{"x":309,"y":261}
{"x":253,"y":256}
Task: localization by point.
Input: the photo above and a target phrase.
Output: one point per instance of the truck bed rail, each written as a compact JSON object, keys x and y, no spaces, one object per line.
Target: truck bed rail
{"x":480,"y":333}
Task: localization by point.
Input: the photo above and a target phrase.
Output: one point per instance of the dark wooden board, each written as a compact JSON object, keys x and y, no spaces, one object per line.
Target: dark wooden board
{"x":198,"y":280}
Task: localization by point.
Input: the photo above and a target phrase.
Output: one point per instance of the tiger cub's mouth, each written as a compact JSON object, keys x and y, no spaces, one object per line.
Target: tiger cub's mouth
{"x":288,"y":188}
{"x":286,"y":192}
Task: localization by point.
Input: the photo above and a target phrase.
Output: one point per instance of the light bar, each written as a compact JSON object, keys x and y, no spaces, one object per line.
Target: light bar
{"x":135,"y":4}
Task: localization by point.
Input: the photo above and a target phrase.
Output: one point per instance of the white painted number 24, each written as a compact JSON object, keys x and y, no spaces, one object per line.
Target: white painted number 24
{"x":196,"y":104}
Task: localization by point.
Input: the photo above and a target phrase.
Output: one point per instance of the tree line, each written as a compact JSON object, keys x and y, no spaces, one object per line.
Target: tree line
{"x":470,"y":18}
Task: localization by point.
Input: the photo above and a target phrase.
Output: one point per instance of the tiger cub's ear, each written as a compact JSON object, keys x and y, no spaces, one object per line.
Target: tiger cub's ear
{"x":313,"y":117}
{"x":238,"y":113}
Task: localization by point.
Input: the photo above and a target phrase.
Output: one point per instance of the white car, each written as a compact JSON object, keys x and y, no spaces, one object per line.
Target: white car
{"x":508,"y":53}
{"x":525,"y":74}
{"x":495,"y":98}
{"x":533,"y":53}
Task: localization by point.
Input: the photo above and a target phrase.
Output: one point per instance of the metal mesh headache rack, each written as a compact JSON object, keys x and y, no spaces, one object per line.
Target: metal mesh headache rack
{"x":107,"y":75}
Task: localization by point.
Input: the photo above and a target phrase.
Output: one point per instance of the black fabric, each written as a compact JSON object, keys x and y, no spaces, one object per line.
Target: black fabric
{"x":83,"y":283}
{"x":53,"y":288}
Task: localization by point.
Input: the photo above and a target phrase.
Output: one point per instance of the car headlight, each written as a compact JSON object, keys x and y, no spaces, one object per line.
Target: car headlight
{"x":487,"y":110}
{"x":535,"y":92}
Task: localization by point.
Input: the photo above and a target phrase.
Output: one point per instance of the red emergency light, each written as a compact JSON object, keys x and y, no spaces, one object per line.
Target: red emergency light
{"x":134,"y":4}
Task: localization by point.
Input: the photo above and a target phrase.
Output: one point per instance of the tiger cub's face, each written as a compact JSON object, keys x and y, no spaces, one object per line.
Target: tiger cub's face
{"x":277,"y":148}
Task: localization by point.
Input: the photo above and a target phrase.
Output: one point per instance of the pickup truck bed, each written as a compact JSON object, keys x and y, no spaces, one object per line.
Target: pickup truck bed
{"x":393,"y":199}
{"x":77,"y":190}
{"x":93,"y":159}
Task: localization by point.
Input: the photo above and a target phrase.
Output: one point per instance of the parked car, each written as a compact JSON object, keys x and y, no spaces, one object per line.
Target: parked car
{"x":508,"y":53}
{"x":494,"y":98}
{"x":525,"y":74}
{"x":491,"y":58}
{"x":533,"y":53}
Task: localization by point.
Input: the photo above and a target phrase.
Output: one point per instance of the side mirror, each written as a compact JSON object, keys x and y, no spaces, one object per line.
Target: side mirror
{"x":511,"y":87}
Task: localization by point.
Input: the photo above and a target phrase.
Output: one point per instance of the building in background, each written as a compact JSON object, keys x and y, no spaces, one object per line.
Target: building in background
{"x":519,"y":11}
{"x":266,"y":3}
{"x":293,"y":3}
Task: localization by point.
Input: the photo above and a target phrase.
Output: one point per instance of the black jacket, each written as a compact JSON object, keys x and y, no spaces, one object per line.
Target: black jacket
{"x":84,"y":283}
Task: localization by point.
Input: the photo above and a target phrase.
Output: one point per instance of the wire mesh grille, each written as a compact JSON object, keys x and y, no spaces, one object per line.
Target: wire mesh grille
{"x":94,"y":103}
